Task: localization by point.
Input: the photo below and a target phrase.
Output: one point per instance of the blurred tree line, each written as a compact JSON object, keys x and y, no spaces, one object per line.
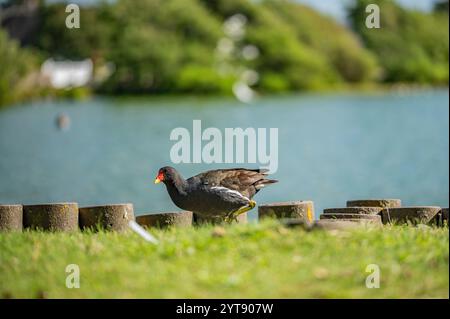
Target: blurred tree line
{"x":410,"y":46}
{"x":206,"y":46}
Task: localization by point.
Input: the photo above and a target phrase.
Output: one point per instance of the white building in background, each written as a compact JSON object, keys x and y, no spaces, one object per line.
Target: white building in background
{"x":67,"y":74}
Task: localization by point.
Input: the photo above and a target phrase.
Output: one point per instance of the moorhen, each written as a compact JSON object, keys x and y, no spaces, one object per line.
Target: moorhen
{"x":220,"y":193}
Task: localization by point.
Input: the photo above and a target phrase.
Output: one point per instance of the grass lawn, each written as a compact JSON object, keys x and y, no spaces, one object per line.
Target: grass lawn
{"x":262,"y":260}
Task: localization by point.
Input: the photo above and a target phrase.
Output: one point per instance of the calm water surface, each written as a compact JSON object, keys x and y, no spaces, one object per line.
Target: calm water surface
{"x":331,"y":148}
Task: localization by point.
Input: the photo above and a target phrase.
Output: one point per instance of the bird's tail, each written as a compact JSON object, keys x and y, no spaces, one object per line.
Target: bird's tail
{"x":263,"y":182}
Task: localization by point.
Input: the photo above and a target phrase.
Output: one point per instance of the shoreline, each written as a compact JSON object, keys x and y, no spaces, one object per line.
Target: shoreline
{"x":375,"y":89}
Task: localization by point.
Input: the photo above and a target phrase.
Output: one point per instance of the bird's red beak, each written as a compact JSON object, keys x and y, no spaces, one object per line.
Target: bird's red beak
{"x":159,"y":178}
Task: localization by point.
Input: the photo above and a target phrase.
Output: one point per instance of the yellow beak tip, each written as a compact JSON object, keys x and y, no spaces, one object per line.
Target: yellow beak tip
{"x":157,"y":181}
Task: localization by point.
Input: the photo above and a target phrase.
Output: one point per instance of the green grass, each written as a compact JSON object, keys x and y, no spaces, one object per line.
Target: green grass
{"x":262,"y":260}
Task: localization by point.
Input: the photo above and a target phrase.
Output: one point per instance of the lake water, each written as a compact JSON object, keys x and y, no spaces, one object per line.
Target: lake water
{"x":332,"y":148}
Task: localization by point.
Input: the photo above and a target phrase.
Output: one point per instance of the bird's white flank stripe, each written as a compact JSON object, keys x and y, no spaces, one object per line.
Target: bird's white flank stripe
{"x":230,"y":191}
{"x":141,"y":232}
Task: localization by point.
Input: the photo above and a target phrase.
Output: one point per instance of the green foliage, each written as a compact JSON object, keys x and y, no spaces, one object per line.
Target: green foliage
{"x":273,"y":82}
{"x":170,"y":46}
{"x":334,"y":43}
{"x":195,"y":78}
{"x":151,"y":50}
{"x":92,"y":40}
{"x":283,"y":54}
{"x":146,"y":59}
{"x":16,"y":65}
{"x":263,"y":260}
{"x":411,"y":46}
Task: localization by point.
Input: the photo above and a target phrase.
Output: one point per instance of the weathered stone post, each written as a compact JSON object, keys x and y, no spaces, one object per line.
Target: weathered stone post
{"x":113,"y":217}
{"x":353,"y":211}
{"x":11,"y":217}
{"x":357,"y":218}
{"x":301,"y":210}
{"x":413,"y":215}
{"x":384,"y":203}
{"x":52,"y":217}
{"x":347,"y":217}
{"x":164,"y":220}
{"x":444,"y":216}
{"x":341,"y":224}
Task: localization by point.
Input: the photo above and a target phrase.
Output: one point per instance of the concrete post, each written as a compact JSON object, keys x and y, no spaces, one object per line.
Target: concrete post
{"x":390,"y":203}
{"x":113,"y":217}
{"x":11,"y":217}
{"x":303,"y":210}
{"x":414,"y":215}
{"x":52,"y":217}
{"x":164,"y":220}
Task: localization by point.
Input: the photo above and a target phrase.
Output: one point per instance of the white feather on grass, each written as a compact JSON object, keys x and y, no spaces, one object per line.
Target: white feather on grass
{"x":142,"y":232}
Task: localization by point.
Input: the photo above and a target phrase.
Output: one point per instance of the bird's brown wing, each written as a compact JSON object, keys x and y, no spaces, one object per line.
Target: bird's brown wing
{"x":246,"y":181}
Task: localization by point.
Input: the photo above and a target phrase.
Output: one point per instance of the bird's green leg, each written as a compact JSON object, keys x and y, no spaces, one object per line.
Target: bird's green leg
{"x":234,"y":215}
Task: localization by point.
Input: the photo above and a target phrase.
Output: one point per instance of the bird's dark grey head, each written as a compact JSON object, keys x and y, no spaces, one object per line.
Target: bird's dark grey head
{"x":167,"y":175}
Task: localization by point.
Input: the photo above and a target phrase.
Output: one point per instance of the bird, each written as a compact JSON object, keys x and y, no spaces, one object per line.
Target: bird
{"x":63,"y":122}
{"x":219,"y":193}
